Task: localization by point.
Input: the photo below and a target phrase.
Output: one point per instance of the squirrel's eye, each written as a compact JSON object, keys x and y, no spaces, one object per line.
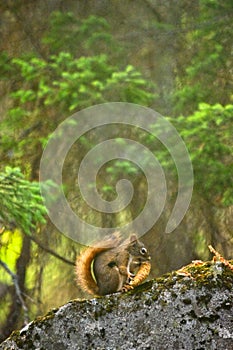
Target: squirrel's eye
{"x":143,"y":250}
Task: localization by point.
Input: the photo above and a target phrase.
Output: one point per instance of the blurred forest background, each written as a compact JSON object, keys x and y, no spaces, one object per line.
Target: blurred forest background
{"x":58,"y":57}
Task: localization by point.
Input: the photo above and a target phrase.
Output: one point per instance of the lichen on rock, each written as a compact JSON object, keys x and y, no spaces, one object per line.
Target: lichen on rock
{"x":193,"y":310}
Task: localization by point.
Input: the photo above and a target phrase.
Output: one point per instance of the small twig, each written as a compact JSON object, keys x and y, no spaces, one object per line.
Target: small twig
{"x":49,"y":250}
{"x":17,"y":290}
{"x":220,"y":257}
{"x":183,"y":271}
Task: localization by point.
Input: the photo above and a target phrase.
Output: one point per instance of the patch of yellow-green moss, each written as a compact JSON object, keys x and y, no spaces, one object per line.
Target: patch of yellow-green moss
{"x":213,"y":275}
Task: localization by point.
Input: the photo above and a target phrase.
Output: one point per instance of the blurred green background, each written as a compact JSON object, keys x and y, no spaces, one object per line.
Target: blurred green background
{"x":58,"y":57}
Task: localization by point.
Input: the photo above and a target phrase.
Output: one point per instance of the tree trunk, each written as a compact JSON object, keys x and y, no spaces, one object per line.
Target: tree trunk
{"x":16,"y":307}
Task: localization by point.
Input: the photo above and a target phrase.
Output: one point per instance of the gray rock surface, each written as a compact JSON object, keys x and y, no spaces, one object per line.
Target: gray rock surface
{"x":191,"y":312}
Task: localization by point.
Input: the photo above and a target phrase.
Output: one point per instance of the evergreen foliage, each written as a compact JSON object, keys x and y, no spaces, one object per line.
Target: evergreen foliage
{"x":21,"y":204}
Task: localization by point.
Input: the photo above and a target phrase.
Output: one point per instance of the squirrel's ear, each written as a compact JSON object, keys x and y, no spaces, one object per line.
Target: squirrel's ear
{"x":133,"y":238}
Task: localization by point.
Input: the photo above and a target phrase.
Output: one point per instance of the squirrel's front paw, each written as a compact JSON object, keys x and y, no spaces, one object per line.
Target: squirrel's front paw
{"x":126,"y":288}
{"x":130,"y":277}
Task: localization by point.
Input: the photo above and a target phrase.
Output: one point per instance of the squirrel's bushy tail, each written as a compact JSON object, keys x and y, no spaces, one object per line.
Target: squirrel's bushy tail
{"x":83,"y":272}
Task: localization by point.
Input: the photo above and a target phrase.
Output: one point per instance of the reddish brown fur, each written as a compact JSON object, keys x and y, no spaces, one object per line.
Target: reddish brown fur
{"x":83,"y":270}
{"x":83,"y":273}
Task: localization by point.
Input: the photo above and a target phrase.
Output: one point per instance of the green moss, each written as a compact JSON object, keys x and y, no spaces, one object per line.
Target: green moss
{"x":209,"y":274}
{"x":50,"y":315}
{"x":18,"y":336}
{"x":15,"y":335}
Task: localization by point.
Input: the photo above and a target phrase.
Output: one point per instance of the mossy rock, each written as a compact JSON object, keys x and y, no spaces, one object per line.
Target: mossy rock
{"x":188,"y":309}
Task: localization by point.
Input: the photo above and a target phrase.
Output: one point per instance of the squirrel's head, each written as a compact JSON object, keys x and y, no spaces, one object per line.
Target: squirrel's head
{"x":137,"y":249}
